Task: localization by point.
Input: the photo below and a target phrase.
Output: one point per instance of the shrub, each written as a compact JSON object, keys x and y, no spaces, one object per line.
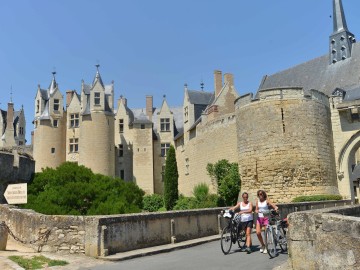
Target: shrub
{"x":152,"y":203}
{"x":201,"y":191}
{"x":313,"y":198}
{"x":185,"y":203}
{"x":171,"y":176}
{"x":225,"y":177}
{"x":75,"y":190}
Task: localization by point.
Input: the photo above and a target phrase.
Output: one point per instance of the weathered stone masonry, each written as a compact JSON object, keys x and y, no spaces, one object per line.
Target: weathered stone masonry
{"x":285,"y":143}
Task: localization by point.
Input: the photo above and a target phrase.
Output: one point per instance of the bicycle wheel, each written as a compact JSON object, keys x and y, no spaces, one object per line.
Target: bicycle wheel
{"x":226,"y":240}
{"x":270,"y":242}
{"x":282,"y":239}
{"x":241,"y":239}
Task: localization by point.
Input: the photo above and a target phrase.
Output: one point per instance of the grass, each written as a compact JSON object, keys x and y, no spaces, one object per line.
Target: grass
{"x":36,"y":262}
{"x":314,"y":198}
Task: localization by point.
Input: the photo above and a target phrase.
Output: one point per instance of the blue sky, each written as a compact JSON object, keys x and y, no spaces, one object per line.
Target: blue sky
{"x":154,"y":47}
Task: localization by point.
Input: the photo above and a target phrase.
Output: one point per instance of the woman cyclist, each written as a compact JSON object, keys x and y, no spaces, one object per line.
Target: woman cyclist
{"x":246,"y":218}
{"x":262,"y":204}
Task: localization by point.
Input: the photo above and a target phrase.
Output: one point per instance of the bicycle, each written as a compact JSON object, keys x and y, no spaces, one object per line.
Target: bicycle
{"x":275,"y":233}
{"x":232,"y":232}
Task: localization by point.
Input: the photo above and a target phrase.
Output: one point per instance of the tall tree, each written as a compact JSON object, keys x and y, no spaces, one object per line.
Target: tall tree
{"x":171,"y":193}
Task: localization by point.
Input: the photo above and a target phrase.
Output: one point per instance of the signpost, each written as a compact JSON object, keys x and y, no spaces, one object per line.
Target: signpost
{"x":16,"y":194}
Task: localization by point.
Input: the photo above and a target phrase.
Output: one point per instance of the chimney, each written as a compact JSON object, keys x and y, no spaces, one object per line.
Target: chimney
{"x":69,"y":95}
{"x":218,"y":81}
{"x":149,"y":107}
{"x":10,"y":117}
{"x":229,"y":78}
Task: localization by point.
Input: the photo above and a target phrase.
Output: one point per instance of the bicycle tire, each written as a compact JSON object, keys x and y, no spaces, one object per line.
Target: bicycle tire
{"x":270,"y":243}
{"x":226,"y":241}
{"x":241,"y":239}
{"x":282,"y":239}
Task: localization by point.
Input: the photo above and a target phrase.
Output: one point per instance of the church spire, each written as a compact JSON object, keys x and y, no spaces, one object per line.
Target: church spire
{"x":339,"y":17}
{"x":341,"y":39}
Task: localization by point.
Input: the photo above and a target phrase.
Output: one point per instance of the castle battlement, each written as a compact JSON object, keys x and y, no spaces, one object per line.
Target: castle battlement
{"x":282,"y":93}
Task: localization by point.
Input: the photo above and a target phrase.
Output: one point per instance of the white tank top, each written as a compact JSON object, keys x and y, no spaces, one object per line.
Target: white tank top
{"x":246,"y":216}
{"x":262,"y":206}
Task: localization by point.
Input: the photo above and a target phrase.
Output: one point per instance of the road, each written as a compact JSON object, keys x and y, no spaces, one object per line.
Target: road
{"x":206,"y":256}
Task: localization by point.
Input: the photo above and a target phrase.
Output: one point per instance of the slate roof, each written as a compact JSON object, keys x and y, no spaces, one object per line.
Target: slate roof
{"x":200,"y":97}
{"x":352,"y":94}
{"x":177,"y":114}
{"x":319,"y":74}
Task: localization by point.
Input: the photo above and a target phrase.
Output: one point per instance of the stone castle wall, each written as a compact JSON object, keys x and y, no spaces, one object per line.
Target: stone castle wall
{"x":285,"y":143}
{"x":15,"y":167}
{"x":215,"y":140}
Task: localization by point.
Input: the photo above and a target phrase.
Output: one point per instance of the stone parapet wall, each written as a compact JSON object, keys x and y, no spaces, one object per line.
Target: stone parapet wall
{"x":285,"y":144}
{"x":325,"y":239}
{"x":67,"y":233}
{"x":105,"y":235}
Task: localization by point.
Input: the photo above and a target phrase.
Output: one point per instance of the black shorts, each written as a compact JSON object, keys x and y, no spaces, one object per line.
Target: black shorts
{"x":246,"y":224}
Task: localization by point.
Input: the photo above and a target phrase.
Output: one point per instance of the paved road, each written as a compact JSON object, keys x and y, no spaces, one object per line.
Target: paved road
{"x":207,"y":257}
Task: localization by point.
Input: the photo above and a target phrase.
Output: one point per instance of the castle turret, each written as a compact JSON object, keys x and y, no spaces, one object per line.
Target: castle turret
{"x":341,"y":39}
{"x":96,"y":141}
{"x":49,"y":127}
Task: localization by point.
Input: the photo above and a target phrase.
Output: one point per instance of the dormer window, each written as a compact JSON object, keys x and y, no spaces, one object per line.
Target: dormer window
{"x":55,"y":123}
{"x":56,"y":104}
{"x":97,"y":98}
{"x":74,"y":120}
{"x":165,"y":124}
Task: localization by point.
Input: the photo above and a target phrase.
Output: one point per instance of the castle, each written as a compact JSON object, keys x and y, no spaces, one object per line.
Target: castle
{"x":299,"y":134}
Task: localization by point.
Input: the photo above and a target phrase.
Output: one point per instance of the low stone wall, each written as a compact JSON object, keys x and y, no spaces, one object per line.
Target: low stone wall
{"x":58,"y":233}
{"x":325,"y":239}
{"x":105,"y":235}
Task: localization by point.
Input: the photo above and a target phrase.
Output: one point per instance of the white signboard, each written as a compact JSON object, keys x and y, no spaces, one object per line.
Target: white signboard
{"x":16,"y":194}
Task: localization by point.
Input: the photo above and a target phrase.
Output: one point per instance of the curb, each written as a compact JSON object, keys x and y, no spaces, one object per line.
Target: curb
{"x":158,"y":249}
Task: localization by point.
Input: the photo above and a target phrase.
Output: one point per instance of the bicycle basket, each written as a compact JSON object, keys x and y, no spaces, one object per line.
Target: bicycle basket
{"x":237,"y":219}
{"x":228,"y":214}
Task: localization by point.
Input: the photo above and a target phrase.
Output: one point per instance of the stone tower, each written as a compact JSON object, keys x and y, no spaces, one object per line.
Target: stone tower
{"x":285,"y":143}
{"x":49,"y":127}
{"x":341,"y":39}
{"x":96,"y":141}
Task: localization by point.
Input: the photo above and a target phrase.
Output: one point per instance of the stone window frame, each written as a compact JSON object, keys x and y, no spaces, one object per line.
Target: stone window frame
{"x":56,"y":104}
{"x":74,"y":120}
{"x":55,"y":123}
{"x":186,"y":114}
{"x":97,"y":98}
{"x":165,"y":124}
{"x":121,"y":125}
{"x":164,"y":147}
{"x":21,"y":130}
{"x":120,"y":150}
{"x":74,"y":145}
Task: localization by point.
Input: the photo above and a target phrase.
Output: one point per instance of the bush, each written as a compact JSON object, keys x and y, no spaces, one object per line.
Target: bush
{"x":185,"y":203}
{"x":152,"y":203}
{"x":171,"y":176}
{"x":313,"y":198}
{"x":202,"y":199}
{"x":225,"y":177}
{"x":75,"y":190}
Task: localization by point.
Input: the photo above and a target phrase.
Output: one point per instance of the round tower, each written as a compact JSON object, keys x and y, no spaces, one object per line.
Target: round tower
{"x":285,"y":143}
{"x":49,"y":128}
{"x":97,"y":139}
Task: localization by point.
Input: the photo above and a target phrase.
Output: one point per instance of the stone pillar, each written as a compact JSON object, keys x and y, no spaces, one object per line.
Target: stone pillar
{"x":3,"y":237}
{"x":69,"y":95}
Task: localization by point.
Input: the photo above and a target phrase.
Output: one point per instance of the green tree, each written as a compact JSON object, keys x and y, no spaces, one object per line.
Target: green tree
{"x":225,"y":177}
{"x":75,"y":190}
{"x":171,"y":193}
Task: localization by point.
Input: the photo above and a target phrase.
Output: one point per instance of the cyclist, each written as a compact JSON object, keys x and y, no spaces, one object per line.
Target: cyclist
{"x":246,"y":218}
{"x":262,"y":204}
